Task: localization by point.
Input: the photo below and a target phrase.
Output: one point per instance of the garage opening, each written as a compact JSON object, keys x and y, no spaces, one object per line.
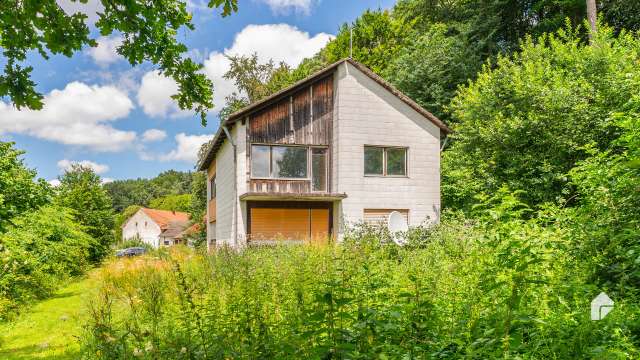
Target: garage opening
{"x":289,"y":221}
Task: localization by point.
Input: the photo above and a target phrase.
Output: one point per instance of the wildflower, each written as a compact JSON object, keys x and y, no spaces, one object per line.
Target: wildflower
{"x":149,"y":346}
{"x":137,"y":352}
{"x":183,"y":350}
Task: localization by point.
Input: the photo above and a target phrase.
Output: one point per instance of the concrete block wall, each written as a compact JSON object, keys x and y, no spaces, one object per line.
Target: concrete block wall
{"x":367,"y":114}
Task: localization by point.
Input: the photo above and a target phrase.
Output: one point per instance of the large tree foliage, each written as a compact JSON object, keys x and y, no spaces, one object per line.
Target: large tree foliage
{"x":149,"y":28}
{"x":378,"y":36}
{"x":430,"y":69}
{"x":526,"y":122}
{"x":20,"y":192}
{"x":81,"y":190}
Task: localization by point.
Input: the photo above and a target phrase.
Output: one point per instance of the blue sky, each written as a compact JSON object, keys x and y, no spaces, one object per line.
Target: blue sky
{"x":120,"y":120}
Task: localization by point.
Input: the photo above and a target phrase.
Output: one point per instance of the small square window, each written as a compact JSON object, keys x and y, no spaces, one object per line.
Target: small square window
{"x":385,"y":161}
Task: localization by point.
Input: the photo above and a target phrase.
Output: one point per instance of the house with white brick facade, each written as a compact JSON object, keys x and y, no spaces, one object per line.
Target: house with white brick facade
{"x":340,"y":147}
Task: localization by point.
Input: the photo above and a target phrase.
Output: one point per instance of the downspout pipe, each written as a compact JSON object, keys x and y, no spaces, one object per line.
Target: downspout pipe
{"x":235,"y":184}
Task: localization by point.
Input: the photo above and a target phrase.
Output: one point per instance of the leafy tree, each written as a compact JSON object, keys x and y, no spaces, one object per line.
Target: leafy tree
{"x":526,"y":122}
{"x":620,"y":14}
{"x":172,"y":202}
{"x":149,"y":29}
{"x":378,"y":36}
{"x":253,"y":81}
{"x":430,"y":69}
{"x":198,"y":196}
{"x":81,"y":190}
{"x":42,"y":248}
{"x":19,"y":191}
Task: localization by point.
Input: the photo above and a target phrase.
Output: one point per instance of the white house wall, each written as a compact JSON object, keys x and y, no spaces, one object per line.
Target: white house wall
{"x":226,"y":196}
{"x":367,"y":114}
{"x":224,"y":193}
{"x":142,"y":226}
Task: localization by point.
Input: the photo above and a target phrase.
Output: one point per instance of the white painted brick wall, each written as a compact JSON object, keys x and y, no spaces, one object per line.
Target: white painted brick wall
{"x":367,"y":114}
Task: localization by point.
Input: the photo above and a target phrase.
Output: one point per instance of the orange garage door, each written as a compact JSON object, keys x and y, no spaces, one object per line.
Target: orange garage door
{"x":289,"y":224}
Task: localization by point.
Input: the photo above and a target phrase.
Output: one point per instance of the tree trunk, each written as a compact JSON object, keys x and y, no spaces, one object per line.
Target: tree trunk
{"x":592,"y":16}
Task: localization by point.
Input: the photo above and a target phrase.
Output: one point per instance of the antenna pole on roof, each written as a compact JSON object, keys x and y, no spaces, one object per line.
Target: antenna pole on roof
{"x":351,"y":42}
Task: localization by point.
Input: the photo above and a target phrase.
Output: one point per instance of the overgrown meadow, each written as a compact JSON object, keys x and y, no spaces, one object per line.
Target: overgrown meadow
{"x":498,"y":286}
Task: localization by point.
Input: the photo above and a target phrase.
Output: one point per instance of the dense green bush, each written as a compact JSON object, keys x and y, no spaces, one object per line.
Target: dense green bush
{"x":37,"y":253}
{"x":526,"y":122}
{"x":497,"y":286}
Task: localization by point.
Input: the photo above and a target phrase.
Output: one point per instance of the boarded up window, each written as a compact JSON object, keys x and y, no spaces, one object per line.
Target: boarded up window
{"x":381,"y":216}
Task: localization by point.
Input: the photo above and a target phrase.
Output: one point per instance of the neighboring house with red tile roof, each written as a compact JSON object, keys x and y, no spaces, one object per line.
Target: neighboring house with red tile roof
{"x":156,"y":227}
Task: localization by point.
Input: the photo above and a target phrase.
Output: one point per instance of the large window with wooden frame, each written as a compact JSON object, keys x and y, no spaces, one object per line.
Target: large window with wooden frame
{"x":291,"y":162}
{"x":385,"y":161}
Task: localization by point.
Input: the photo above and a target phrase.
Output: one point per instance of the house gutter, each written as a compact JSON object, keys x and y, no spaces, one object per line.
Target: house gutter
{"x":235,"y":184}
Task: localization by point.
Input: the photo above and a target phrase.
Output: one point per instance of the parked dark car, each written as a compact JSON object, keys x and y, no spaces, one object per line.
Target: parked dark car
{"x":132,"y":251}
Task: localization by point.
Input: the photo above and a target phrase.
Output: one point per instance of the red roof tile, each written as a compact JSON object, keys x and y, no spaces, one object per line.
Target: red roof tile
{"x":165,"y":217}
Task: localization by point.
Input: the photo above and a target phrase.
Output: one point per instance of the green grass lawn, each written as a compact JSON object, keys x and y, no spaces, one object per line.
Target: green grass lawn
{"x":50,"y":329}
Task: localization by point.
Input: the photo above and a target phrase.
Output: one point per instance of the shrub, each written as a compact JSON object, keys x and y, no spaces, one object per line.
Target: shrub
{"x":39,"y":251}
{"x":526,"y":122}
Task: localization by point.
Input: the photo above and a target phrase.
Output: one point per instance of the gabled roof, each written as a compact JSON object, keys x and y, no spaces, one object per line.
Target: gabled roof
{"x":219,"y":137}
{"x":166,"y":218}
{"x":174,"y":229}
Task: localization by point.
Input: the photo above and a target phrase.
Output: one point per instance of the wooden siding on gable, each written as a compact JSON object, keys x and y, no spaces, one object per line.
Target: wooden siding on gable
{"x":270,"y":125}
{"x":293,"y":119}
{"x":303,"y":118}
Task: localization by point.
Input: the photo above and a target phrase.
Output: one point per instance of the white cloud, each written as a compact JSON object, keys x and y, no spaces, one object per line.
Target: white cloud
{"x":106,"y":51}
{"x":284,"y":6}
{"x":280,"y":42}
{"x":54,"y":182}
{"x":66,"y":165}
{"x":77,"y":115}
{"x":152,"y":135}
{"x":154,"y":95}
{"x":106,"y":180}
{"x":91,"y":8}
{"x":187,"y":148}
